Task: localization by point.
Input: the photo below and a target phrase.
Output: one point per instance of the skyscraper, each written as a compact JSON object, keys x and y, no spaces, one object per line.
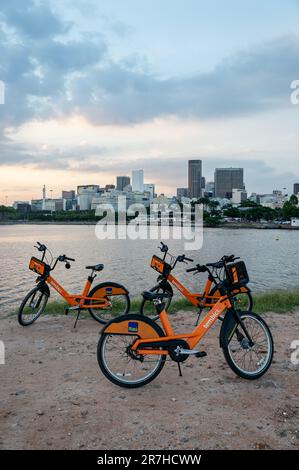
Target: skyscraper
{"x":195,"y":178}
{"x":296,"y":188}
{"x":181,"y":192}
{"x":149,"y":188}
{"x":122,"y":182}
{"x":227,"y":179}
{"x":137,"y":180}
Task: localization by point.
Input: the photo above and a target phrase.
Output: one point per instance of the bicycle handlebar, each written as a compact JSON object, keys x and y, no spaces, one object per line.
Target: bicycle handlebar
{"x":40,"y":247}
{"x":63,"y":258}
{"x":183,"y":259}
{"x":163,"y":248}
{"x":198,"y":268}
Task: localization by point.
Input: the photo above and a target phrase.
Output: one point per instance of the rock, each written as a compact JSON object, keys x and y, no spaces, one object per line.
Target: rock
{"x":261,"y":446}
{"x":268,"y":384}
{"x":75,"y":402}
{"x":40,"y":413}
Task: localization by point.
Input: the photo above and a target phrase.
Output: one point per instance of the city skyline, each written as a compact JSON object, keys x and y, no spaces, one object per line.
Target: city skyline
{"x":228,"y":183}
{"x":91,"y":93}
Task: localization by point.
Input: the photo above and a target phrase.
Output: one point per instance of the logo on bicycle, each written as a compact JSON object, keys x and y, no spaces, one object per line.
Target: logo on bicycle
{"x":133,"y":326}
{"x":167,"y":220}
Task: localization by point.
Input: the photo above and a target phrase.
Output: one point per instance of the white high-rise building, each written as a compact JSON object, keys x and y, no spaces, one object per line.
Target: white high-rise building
{"x":137,"y":180}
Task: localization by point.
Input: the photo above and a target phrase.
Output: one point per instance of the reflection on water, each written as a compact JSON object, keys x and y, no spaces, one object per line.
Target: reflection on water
{"x":271,"y":257}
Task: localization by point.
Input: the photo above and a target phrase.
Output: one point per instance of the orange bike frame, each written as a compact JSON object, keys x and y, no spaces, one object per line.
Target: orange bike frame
{"x":191,"y":338}
{"x":198,"y":299}
{"x":78,"y":300}
{"x":193,"y":296}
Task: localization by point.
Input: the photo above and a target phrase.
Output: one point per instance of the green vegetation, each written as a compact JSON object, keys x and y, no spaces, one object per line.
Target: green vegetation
{"x":278,"y":301}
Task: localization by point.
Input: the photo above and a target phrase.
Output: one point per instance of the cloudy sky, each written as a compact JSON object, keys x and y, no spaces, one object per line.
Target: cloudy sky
{"x":95,"y":89}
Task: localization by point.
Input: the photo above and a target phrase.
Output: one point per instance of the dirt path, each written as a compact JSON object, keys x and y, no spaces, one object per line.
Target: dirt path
{"x":53,"y":395}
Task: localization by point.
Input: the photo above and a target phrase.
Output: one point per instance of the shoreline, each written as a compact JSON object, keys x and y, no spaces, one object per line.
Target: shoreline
{"x":281,"y":301}
{"x":228,"y":226}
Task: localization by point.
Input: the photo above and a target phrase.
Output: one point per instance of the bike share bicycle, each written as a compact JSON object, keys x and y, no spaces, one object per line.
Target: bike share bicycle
{"x":103,"y":302}
{"x":166,"y":279}
{"x":132,"y":349}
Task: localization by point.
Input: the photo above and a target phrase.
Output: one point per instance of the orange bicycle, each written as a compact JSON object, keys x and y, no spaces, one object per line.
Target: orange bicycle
{"x":103,"y":302}
{"x":206,"y":299}
{"x":132,"y":349}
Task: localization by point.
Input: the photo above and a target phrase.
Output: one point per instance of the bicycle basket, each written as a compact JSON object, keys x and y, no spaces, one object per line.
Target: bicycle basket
{"x":38,"y":266}
{"x":237,"y":274}
{"x":159,"y":265}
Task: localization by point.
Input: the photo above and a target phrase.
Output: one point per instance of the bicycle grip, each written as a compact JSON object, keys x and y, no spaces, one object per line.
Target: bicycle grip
{"x":190,"y":270}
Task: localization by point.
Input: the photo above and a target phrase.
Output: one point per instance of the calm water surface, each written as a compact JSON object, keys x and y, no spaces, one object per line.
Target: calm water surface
{"x":271,"y":256}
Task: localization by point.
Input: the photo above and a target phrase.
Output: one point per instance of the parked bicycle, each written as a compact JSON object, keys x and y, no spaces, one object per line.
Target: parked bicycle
{"x":133,"y":349}
{"x":103,"y":302}
{"x":210,"y":295}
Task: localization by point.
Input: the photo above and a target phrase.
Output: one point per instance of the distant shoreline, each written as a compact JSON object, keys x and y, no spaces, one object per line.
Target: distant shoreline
{"x":228,"y":226}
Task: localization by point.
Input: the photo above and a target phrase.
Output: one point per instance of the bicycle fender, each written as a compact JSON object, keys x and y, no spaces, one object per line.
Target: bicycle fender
{"x":108,"y":288}
{"x":133,"y":324}
{"x":44,"y":288}
{"x":228,"y":326}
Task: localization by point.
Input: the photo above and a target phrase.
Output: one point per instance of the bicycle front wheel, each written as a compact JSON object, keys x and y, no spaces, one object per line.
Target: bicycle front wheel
{"x":116,"y":298}
{"x":249,"y":362}
{"x":32,"y":306}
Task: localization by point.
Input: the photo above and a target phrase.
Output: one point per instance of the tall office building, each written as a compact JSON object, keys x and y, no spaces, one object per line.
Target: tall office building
{"x":195,"y":178}
{"x":296,"y":188}
{"x":68,"y":194}
{"x":210,"y":189}
{"x":122,"y":182}
{"x":149,"y":188}
{"x":181,"y":192}
{"x":137,"y":180}
{"x":227,"y":179}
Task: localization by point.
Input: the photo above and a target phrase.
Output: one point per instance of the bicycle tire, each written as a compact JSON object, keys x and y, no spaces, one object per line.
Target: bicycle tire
{"x":101,"y":354}
{"x":21,"y":313}
{"x":94,"y":312}
{"x":229,"y":334}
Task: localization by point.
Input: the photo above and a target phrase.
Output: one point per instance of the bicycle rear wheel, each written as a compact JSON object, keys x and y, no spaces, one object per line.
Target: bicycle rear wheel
{"x":122,"y":365}
{"x":32,"y":306}
{"x":117,"y":297}
{"x":243,"y":300}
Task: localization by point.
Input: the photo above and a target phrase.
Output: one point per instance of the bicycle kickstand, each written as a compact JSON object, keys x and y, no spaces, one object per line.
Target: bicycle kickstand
{"x":77,"y":318}
{"x":180,"y":370}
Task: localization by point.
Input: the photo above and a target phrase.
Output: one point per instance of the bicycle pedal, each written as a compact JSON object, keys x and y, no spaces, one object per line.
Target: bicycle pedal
{"x":201,"y":354}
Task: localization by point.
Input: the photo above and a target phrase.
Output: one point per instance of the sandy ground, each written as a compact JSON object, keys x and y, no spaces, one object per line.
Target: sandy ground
{"x":53,"y":395}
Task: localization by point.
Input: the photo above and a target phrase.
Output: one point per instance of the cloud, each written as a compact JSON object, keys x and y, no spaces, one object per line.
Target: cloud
{"x":48,"y":73}
{"x":53,"y":70}
{"x":35,"y":20}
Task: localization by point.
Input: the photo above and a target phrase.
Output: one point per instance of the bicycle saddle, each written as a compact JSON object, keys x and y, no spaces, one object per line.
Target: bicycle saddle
{"x":147,"y":295}
{"x":96,"y":267}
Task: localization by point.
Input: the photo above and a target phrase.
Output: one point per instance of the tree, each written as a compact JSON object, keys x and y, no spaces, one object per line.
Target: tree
{"x":293,"y":200}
